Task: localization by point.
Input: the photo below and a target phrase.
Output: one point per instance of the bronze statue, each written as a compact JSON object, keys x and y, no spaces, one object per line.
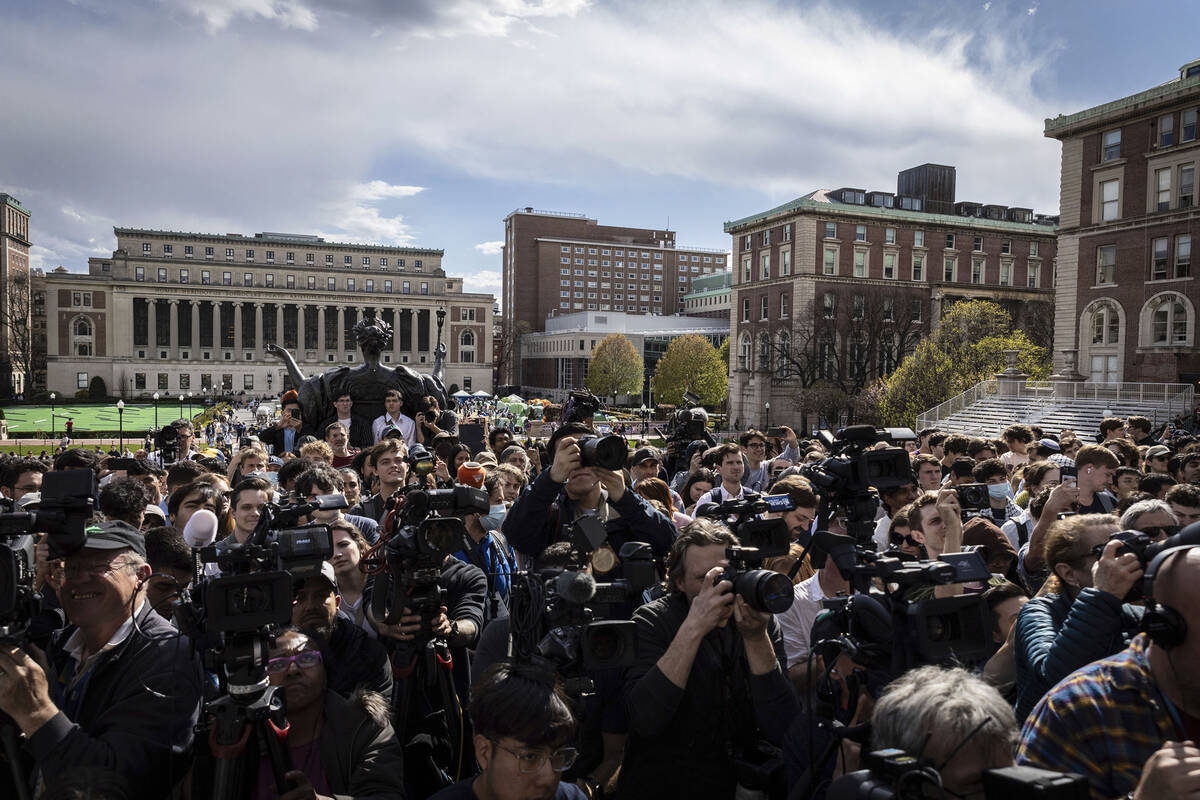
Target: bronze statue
{"x":366,"y":384}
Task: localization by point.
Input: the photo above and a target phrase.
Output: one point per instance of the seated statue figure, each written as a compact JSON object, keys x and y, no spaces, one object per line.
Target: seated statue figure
{"x":366,"y":383}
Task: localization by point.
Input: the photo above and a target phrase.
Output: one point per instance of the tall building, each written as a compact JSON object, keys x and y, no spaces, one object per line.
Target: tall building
{"x":16,"y":339}
{"x":1126,"y":295}
{"x":175,"y":312}
{"x":835,"y":288}
{"x":710,"y":296}
{"x":559,"y":263}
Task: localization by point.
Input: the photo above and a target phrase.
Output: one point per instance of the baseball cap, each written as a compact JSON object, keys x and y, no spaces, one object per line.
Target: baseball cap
{"x":326,"y":574}
{"x":644,"y":454}
{"x":1158,"y":451}
{"x":115,"y":534}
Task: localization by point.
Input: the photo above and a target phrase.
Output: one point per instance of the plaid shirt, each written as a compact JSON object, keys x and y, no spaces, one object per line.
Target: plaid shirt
{"x":1103,"y":722}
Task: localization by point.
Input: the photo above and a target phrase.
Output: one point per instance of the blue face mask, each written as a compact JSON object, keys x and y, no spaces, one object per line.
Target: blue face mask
{"x":998,"y":491}
{"x":494,"y":518}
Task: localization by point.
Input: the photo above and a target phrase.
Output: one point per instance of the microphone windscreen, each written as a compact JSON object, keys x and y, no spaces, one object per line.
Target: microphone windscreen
{"x":577,"y":587}
{"x":201,"y":529}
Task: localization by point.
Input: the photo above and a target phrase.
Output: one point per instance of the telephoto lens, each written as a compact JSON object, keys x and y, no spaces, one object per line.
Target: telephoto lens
{"x":763,"y":589}
{"x":609,"y":452}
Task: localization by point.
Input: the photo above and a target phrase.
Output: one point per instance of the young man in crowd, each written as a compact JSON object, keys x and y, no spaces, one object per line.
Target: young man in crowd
{"x":729,"y":467}
{"x":391,"y":472}
{"x":394,"y":417}
{"x":338,"y":439}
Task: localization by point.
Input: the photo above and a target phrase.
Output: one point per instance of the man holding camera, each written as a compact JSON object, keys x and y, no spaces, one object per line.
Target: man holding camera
{"x":701,"y":688}
{"x":182,"y":450}
{"x":1130,"y":723}
{"x":569,"y":490}
{"x":120,"y":689}
{"x":284,"y":436}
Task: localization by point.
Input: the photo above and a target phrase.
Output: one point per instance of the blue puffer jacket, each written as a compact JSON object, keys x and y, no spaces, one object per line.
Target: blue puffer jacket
{"x":1055,"y":637}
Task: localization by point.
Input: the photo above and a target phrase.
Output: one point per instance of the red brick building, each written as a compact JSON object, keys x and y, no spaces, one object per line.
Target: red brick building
{"x":833,"y":289}
{"x":1126,"y":296}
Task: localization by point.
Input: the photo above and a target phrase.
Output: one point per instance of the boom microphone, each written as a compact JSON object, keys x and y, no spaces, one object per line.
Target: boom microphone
{"x":576,"y":587}
{"x":201,"y":530}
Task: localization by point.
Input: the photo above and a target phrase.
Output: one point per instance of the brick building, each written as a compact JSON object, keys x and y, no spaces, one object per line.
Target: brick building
{"x":833,"y":289}
{"x":193,"y":312}
{"x":560,"y":263}
{"x":710,"y":296}
{"x":1126,"y":295}
{"x":16,"y":340}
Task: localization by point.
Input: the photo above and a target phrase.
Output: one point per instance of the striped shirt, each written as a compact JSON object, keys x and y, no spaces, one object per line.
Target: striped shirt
{"x":1103,"y":721}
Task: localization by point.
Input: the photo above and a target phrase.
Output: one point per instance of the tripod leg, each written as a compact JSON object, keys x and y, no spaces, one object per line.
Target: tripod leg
{"x":272,"y":732}
{"x":9,"y":735}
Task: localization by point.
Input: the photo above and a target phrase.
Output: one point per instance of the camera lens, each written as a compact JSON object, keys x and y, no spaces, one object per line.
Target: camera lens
{"x":608,"y":452}
{"x":443,"y":534}
{"x":765,"y":590}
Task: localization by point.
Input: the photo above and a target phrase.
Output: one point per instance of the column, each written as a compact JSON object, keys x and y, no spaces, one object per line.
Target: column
{"x":279,"y":324}
{"x":258,"y":329}
{"x":216,"y":325}
{"x":237,"y":327}
{"x":300,"y":354}
{"x":195,"y":328}
{"x":341,"y":332}
{"x":174,"y":331}
{"x":152,"y":323}
{"x":397,"y":316}
{"x":321,"y":354}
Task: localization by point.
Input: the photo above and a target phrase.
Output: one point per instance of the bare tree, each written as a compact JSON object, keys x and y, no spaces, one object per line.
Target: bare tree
{"x":16,"y":329}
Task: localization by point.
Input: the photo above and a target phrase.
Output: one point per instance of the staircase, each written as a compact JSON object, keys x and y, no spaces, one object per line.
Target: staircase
{"x":990,"y":406}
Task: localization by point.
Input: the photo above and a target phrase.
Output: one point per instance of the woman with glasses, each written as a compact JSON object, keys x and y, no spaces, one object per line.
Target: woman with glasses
{"x":1079,"y":616}
{"x":524,"y":731}
{"x":338,"y":746}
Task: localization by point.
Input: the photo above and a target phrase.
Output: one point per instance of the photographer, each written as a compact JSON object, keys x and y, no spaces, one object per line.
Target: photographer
{"x":523,"y":726}
{"x":319,"y":480}
{"x":22,"y":476}
{"x":1080,"y":616}
{"x":994,"y":475}
{"x":935,"y":521}
{"x":701,"y":688}
{"x":284,"y":436}
{"x":568,"y":490}
{"x":1088,"y":494}
{"x":124,"y":499}
{"x":755,"y":477}
{"x":1130,"y":722}
{"x":122,"y":688}
{"x":181,"y":449}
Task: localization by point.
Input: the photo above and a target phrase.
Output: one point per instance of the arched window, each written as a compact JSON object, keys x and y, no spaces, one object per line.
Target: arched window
{"x":1167,"y":321}
{"x":744,"y":356}
{"x":1101,"y":332}
{"x":1106,"y":324}
{"x":82,"y":340}
{"x":466,"y":347}
{"x":764,"y":351}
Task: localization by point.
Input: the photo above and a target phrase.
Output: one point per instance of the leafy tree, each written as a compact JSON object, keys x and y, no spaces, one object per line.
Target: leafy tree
{"x":723,"y":352}
{"x":615,"y":368}
{"x":691,"y":363}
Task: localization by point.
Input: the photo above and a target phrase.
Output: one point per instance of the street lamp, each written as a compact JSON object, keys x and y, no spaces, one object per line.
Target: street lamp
{"x":155,"y":396}
{"x":767,"y":406}
{"x":270,"y":380}
{"x":121,"y":425}
{"x":189,"y":405}
{"x":644,"y":419}
{"x":181,"y":404}
{"x":52,"y":398}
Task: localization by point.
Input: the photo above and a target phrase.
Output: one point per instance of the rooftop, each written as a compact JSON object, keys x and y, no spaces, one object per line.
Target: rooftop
{"x":1188,"y":80}
{"x":8,"y":199}
{"x":640,"y":324}
{"x":275,"y":238}
{"x":821,"y":200}
{"x":540,"y":213}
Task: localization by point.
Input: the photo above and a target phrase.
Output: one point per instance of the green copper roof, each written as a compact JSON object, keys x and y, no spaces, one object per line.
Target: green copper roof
{"x":12,"y":201}
{"x":1133,"y":101}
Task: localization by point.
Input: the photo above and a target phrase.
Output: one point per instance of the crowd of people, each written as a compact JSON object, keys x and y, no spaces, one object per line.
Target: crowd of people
{"x":1086,"y":671}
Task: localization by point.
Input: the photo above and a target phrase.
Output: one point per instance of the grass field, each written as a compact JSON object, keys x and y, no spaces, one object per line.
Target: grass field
{"x":28,"y":421}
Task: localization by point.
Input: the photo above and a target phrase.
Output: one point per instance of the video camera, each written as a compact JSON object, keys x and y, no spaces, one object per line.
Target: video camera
{"x":759,"y":539}
{"x":581,"y":405}
{"x":68,"y":498}
{"x":166,"y":442}
{"x":892,"y":774}
{"x":421,"y":528}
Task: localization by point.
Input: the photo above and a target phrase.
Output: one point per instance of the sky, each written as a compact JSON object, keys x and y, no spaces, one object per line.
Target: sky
{"x":425,"y":122}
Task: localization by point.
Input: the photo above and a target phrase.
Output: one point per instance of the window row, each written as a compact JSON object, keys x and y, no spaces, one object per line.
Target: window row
{"x":1165,"y":320}
{"x":1166,"y":262}
{"x":331,"y":284}
{"x":168,"y":251}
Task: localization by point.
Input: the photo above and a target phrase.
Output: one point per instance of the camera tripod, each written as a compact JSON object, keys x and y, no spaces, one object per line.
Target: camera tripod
{"x":426,"y":669}
{"x":234,"y":720}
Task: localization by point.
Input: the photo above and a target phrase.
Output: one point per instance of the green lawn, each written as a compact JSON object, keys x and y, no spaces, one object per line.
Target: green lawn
{"x":26,"y":421}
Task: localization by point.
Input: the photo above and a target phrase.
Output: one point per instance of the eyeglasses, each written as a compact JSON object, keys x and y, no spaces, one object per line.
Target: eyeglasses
{"x":532,"y":760}
{"x":305,"y":659}
{"x":77,"y":571}
{"x":1160,"y":531}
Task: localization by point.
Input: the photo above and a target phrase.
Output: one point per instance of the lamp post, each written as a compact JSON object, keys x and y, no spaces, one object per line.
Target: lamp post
{"x":645,"y":419}
{"x":52,"y":420}
{"x":189,"y":405}
{"x":767,"y":406}
{"x":121,"y":426}
{"x":270,"y":380}
{"x":181,"y":404}
{"x":155,"y":396}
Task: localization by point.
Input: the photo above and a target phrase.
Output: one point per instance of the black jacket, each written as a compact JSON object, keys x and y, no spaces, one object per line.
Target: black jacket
{"x":274,"y":437}
{"x":353,"y":659}
{"x":680,"y":739}
{"x":133,"y":715}
{"x":370,"y":506}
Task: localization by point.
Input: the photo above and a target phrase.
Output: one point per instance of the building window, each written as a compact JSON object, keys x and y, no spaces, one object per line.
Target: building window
{"x":81,"y":380}
{"x":1158,"y":263}
{"x":139,"y":381}
{"x":227,"y":278}
{"x":785,"y":262}
{"x":405,"y":287}
{"x":1187,"y":180}
{"x":168,"y":250}
{"x":766,"y":239}
{"x":1188,"y":128}
{"x":1005,"y":247}
{"x":918,"y":238}
{"x":466,"y":347}
{"x":1183,"y":256}
{"x":1033,"y":276}
{"x":784,"y":309}
{"x":787,"y":237}
{"x":744,"y":352}
{"x":424,"y":288}
{"x":1168,"y":320}
{"x":915,"y":311}
{"x":1112,"y":145}
{"x":977,"y":270}
{"x":860,"y":263}
{"x":205,"y":277}
{"x":764,"y":267}
{"x":162,"y":275}
{"x":208,"y":253}
{"x":311,"y":282}
{"x":249,"y":255}
{"x":1106,"y":325}
{"x":183,"y":276}
{"x":145,"y":248}
{"x":746,"y":269}
{"x":417,"y":265}
{"x":247,"y":279}
{"x":1106,"y":264}
{"x":291,"y":281}
{"x":1166,"y":131}
{"x":830,"y":230}
{"x":889,"y":235}
{"x":347,"y":260}
{"x":349,"y":284}
{"x":763,"y":307}
{"x":948,"y":269}
{"x":229,"y":254}
{"x":889,"y":265}
{"x":978,"y":244}
{"x":329,"y":259}
{"x":248,"y":381}
{"x":745,"y":309}
{"x":858,"y":307}
{"x":860,"y":233}
{"x":187,"y":251}
{"x":270,"y":256}
{"x":366,"y":261}
{"x":1006,"y":273}
{"x":918,"y":268}
{"x":1162,"y":182}
{"x":829,"y":305}
{"x":387,"y":287}
{"x":888,"y":309}
{"x":1033,"y":249}
{"x":308,"y":258}
{"x":82,"y":340}
{"x":139,"y":273}
{"x":1110,"y":195}
{"x":830,"y":261}
{"x":949,"y":241}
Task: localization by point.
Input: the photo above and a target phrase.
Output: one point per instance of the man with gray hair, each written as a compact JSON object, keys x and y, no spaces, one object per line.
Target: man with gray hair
{"x":951,"y":719}
{"x":1152,"y":517}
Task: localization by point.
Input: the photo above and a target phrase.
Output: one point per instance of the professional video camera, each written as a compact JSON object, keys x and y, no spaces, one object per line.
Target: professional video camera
{"x":1146,"y":548}
{"x":895,"y":775}
{"x":63,"y":514}
{"x":844,"y":479}
{"x":581,"y":405}
{"x":687,"y":425}
{"x":166,"y":443}
{"x":759,"y":539}
{"x":425,"y":526}
{"x":421,"y":461}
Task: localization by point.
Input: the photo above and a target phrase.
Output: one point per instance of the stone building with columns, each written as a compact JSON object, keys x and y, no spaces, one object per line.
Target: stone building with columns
{"x":174,"y":313}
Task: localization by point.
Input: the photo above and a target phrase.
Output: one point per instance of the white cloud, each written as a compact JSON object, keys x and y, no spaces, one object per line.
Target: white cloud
{"x":488,"y":281}
{"x":490,"y":248}
{"x":1031,"y":10}
{"x":356,"y":217}
{"x":987,"y":6}
{"x":218,"y":14}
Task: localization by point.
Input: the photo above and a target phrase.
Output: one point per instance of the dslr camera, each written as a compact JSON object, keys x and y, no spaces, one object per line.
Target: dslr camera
{"x":759,"y":539}
{"x":893,"y":774}
{"x":973,"y":497}
{"x":609,"y":451}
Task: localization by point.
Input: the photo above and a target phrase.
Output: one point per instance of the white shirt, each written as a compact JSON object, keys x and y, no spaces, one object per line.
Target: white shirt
{"x":796,"y":623}
{"x":718,"y":495}
{"x":881,"y":532}
{"x":403,"y":423}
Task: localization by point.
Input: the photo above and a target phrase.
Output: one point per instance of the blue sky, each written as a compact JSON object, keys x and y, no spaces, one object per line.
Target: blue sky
{"x":425,"y":122}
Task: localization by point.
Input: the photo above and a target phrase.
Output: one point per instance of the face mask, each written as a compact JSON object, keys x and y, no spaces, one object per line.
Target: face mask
{"x":1000,"y":490}
{"x":494,"y":517}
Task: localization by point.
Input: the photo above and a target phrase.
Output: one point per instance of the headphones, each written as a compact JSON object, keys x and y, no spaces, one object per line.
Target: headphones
{"x":1165,"y":626}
